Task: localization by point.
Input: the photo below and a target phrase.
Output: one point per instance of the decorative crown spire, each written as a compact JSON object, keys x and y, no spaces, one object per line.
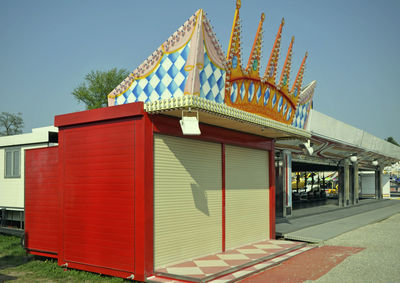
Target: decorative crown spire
{"x":270,"y":71}
{"x":284,"y":80}
{"x":253,"y":65}
{"x":234,"y":55}
{"x":245,"y":89}
{"x":299,"y":78}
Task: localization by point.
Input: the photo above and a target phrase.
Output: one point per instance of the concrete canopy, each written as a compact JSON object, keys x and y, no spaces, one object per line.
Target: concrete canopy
{"x":334,"y":140}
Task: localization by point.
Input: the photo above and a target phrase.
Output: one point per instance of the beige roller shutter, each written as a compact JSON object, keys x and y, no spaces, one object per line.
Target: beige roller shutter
{"x":187,"y":200}
{"x":247,"y":195}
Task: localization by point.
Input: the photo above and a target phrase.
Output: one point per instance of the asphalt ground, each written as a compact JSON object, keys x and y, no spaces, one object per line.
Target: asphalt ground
{"x":378,"y":262}
{"x":368,"y":254}
{"x":331,"y":229}
{"x":325,"y":222}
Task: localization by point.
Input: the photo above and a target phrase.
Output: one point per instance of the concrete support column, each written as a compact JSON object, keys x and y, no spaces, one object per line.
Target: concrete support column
{"x":344,"y":184}
{"x":280,"y":195}
{"x":283,"y":183}
{"x":287,"y":180}
{"x":351,"y":183}
{"x":341,"y":185}
{"x":378,"y":183}
{"x":356,"y":184}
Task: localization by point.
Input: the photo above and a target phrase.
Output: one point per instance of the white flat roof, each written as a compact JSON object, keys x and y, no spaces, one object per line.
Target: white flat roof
{"x":38,"y":135}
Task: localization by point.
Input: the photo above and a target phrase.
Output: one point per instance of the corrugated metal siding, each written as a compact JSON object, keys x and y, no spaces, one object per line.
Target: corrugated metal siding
{"x":41,"y":199}
{"x":247,"y":201}
{"x":187,"y":199}
{"x":99,"y":195}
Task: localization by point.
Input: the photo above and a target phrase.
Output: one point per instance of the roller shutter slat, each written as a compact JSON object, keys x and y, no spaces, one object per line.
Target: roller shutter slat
{"x":187,"y":199}
{"x":247,"y":196}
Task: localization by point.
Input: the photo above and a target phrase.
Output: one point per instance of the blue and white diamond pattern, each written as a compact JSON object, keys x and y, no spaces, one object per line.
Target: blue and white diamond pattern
{"x":258,"y":94}
{"x":166,"y":81}
{"x":289,"y":113}
{"x":280,"y":104}
{"x":266,"y":96}
{"x":284,"y":109}
{"x":274,"y":100}
{"x":251,"y":91}
{"x":301,"y":116}
{"x":234,"y":92}
{"x":212,"y":81}
{"x":242,"y":91}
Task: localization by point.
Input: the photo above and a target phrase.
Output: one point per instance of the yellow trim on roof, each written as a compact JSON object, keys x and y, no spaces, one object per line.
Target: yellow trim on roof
{"x":190,"y":37}
{"x":152,"y":70}
{"x":158,"y":62}
{"x":233,"y":28}
{"x":205,"y":47}
{"x":197,"y":102}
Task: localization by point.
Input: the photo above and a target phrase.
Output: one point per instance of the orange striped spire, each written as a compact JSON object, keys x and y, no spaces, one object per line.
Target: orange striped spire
{"x":253,"y":65}
{"x":270,"y":71}
{"x":299,"y":78}
{"x":284,"y":80}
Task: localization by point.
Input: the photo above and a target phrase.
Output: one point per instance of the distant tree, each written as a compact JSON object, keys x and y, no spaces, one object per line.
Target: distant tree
{"x":98,"y":84}
{"x":392,"y":140}
{"x":11,"y":124}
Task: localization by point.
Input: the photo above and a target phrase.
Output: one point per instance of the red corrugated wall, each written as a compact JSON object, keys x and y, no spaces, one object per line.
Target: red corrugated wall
{"x":98,"y":195}
{"x":41,"y":201}
{"x":105,"y":196}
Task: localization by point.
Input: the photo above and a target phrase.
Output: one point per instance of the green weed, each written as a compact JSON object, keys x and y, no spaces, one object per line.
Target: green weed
{"x":17,"y":266}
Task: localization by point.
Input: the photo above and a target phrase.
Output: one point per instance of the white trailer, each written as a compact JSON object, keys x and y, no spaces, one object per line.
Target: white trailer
{"x":12,"y":164}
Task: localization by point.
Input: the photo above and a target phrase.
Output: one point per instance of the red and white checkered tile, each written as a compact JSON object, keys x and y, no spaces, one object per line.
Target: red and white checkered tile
{"x":163,"y":280}
{"x":245,"y":272}
{"x":235,"y":263}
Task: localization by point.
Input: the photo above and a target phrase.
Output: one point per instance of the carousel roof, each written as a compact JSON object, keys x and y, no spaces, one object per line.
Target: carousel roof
{"x":190,"y":70}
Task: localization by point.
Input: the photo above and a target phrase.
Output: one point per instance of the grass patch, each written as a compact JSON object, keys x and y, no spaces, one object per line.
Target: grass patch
{"x":17,"y":266}
{"x":11,"y":252}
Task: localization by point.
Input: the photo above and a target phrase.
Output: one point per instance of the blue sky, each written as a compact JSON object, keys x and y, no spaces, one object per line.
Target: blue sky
{"x":47,"y":47}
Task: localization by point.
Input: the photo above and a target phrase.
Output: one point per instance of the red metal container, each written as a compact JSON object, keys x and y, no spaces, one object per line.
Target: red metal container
{"x":96,"y":190}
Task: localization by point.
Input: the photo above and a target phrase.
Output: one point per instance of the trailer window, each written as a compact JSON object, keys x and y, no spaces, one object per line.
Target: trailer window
{"x":12,"y":163}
